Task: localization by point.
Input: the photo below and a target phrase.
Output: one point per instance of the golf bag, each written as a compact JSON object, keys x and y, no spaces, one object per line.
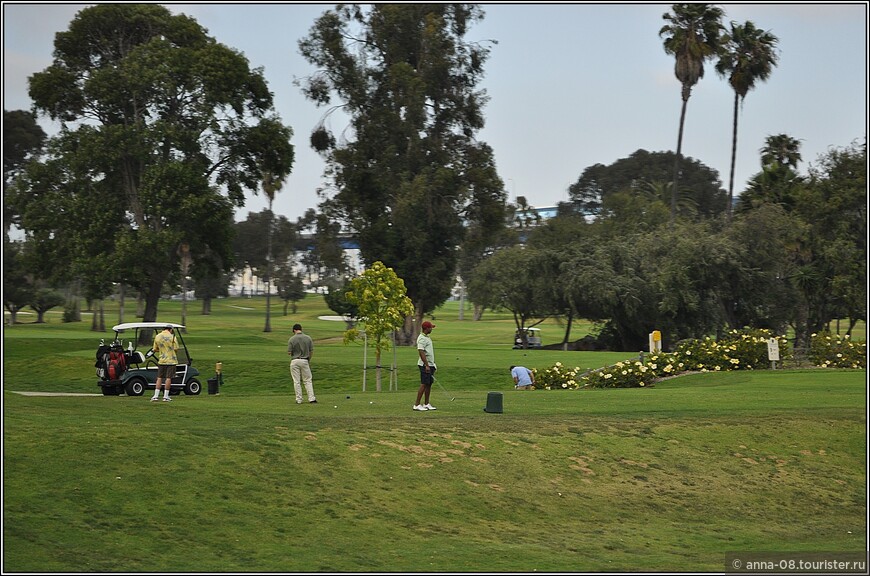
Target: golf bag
{"x":110,"y":363}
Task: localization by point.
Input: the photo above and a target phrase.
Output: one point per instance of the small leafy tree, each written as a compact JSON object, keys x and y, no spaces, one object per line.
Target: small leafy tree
{"x":290,"y":287}
{"x":336,"y":299}
{"x":44,"y":300}
{"x":17,"y":288}
{"x":513,"y":279}
{"x":380,"y":297}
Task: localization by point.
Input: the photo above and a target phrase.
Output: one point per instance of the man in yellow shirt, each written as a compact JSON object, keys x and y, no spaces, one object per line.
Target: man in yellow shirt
{"x":166,"y":347}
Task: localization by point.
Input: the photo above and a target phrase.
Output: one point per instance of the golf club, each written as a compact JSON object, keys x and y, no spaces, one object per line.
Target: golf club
{"x":452,"y":398}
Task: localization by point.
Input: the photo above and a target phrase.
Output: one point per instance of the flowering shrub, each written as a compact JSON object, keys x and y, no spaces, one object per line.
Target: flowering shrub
{"x":557,"y":378}
{"x":627,"y":374}
{"x":740,"y":350}
{"x":834,"y":351}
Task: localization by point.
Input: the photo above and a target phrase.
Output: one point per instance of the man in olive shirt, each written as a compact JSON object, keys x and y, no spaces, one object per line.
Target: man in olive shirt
{"x":300,"y":347}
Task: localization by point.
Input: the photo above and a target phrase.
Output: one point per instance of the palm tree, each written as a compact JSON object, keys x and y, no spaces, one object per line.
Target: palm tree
{"x":775,"y":184}
{"x":748,"y":54}
{"x":781,"y":149}
{"x":661,"y":191}
{"x":778,"y":182}
{"x":692,"y":36}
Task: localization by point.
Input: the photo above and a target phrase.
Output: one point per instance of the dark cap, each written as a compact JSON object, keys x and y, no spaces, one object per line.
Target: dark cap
{"x":297,"y":326}
{"x":168,"y":327}
{"x":427,"y":324}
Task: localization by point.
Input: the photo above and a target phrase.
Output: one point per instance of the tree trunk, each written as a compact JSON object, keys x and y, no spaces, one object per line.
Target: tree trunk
{"x":801,"y":328}
{"x":152,"y":299}
{"x":852,"y":322}
{"x":567,"y":332}
{"x":407,"y":335}
{"x":378,"y":370}
{"x":121,"y":293}
{"x":268,"y":326}
{"x":733,"y":161}
{"x":677,"y":157}
{"x":76,"y":302}
{"x":478,"y":312}
{"x":95,"y":323}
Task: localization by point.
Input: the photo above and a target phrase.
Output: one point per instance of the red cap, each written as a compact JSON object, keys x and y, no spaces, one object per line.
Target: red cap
{"x":427,"y":324}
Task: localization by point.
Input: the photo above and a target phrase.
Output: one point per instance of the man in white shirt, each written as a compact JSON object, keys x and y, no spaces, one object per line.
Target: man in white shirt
{"x":426,"y":363}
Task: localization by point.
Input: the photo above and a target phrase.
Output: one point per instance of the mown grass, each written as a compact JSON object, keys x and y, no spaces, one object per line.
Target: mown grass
{"x":669,"y":478}
{"x":469,"y":354}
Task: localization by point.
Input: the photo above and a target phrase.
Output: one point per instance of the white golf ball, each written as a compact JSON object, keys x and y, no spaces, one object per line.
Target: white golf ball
{"x":371,"y":402}
{"x":335,"y":406}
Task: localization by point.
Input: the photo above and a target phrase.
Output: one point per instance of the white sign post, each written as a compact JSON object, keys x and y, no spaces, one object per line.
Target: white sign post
{"x":773,"y":352}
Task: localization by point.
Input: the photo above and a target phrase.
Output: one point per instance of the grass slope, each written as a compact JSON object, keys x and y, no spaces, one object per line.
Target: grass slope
{"x":669,"y":478}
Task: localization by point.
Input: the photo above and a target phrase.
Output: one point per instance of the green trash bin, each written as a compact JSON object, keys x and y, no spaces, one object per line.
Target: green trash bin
{"x":494,"y":403}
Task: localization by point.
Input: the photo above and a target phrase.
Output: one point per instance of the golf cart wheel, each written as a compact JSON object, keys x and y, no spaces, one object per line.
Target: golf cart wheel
{"x":193,"y":387}
{"x":135,"y":387}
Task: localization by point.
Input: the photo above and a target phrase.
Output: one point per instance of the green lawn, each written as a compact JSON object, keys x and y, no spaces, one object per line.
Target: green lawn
{"x":670,"y":478}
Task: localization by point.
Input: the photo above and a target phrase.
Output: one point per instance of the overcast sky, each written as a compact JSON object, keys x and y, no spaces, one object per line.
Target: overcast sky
{"x":570,"y":85}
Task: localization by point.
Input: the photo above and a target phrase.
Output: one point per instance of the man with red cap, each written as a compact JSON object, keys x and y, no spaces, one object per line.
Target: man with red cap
{"x":426,"y":363}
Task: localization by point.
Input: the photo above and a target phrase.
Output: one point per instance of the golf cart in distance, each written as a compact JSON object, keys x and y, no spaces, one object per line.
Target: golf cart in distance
{"x":533,"y":338}
{"x":133,"y":372}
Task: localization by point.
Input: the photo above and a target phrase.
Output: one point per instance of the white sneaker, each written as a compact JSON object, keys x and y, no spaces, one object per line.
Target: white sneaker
{"x":167,"y":399}
{"x":420,"y":408}
{"x":155,"y":398}
{"x":429,"y":407}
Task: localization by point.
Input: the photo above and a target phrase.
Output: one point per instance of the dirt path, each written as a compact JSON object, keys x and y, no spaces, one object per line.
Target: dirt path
{"x":51,"y":393}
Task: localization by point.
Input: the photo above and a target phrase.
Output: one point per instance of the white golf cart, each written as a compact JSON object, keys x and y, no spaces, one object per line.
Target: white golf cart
{"x":128,"y":370}
{"x":532,"y":337}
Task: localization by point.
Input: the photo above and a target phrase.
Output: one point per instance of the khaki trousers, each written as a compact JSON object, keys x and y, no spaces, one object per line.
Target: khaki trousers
{"x":300,"y":370}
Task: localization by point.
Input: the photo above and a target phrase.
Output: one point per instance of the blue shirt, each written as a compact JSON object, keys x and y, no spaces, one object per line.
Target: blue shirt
{"x":522,"y":376}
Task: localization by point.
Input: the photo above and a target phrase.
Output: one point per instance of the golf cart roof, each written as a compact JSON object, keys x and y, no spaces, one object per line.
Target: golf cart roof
{"x":134,"y":325}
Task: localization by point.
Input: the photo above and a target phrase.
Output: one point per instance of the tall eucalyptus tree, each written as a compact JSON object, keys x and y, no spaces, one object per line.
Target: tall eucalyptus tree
{"x":408,"y":174}
{"x":163,"y":131}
